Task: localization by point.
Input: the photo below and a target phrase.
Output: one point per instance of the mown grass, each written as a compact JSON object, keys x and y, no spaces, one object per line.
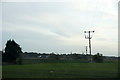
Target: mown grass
{"x":61,"y":70}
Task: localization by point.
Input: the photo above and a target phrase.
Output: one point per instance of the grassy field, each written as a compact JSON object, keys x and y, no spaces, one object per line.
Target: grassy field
{"x":61,"y":70}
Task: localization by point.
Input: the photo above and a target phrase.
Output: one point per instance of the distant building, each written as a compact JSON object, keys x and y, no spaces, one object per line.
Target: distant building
{"x":110,"y":59}
{"x":43,"y":56}
{"x":29,"y":55}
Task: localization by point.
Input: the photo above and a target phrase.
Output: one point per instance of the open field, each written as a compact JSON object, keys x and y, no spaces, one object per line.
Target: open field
{"x":61,"y":70}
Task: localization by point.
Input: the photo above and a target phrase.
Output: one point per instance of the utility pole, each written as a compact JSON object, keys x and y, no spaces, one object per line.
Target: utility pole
{"x":86,"y":49}
{"x":89,"y":37}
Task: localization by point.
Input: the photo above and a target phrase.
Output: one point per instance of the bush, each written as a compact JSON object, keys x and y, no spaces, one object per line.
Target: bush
{"x":98,"y":58}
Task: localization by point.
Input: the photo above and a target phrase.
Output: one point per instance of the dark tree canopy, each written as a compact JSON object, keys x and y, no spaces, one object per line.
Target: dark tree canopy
{"x":98,"y":58}
{"x":12,"y":52}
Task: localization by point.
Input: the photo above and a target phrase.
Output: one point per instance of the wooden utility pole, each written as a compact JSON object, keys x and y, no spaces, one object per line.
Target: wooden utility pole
{"x":86,"y":49}
{"x":89,"y":37}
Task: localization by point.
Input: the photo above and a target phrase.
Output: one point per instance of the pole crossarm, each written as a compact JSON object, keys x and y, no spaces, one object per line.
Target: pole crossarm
{"x":88,"y":31}
{"x":88,"y":37}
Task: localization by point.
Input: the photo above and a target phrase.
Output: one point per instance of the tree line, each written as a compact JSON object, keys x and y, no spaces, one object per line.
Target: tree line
{"x":13,"y":54}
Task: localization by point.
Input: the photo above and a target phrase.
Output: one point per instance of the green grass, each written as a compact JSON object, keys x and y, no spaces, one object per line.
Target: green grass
{"x":61,"y":70}
{"x":36,"y":61}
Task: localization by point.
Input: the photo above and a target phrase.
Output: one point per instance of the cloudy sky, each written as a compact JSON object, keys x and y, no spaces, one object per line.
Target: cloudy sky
{"x":58,"y":26}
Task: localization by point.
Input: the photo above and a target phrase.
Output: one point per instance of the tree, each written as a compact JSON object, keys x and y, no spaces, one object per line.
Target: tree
{"x":12,"y":52}
{"x":98,"y":58}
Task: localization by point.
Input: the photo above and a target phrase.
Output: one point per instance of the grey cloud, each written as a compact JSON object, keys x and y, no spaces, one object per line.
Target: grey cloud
{"x":54,"y":26}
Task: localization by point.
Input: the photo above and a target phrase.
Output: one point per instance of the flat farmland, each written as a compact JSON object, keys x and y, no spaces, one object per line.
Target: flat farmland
{"x":61,"y":70}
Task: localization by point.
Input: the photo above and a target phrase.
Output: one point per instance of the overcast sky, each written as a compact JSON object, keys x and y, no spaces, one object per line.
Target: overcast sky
{"x":59,"y":26}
